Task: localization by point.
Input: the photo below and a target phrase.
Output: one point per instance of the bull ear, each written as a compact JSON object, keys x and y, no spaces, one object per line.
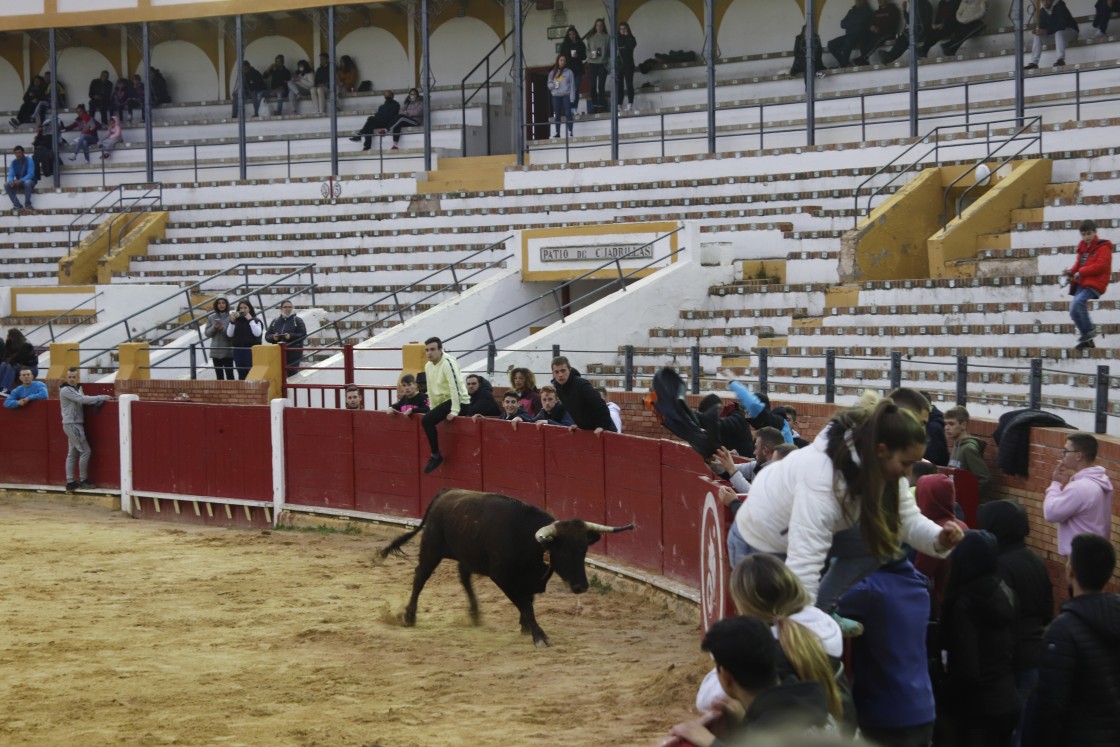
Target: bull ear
{"x":546,"y":534}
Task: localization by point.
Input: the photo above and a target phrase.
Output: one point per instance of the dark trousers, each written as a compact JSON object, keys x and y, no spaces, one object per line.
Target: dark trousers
{"x":842,"y":47}
{"x":597,"y":93}
{"x":223,"y":368}
{"x":1104,"y":11}
{"x":625,"y":80}
{"x":99,"y":105}
{"x":434,"y":417}
{"x":243,"y":361}
{"x":909,"y":736}
{"x":402,"y":122}
{"x":372,"y":125}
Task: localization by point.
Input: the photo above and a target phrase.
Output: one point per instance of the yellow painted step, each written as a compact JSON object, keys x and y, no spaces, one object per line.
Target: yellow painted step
{"x":477,"y":162}
{"x":1062,"y":190}
{"x":809,"y":321}
{"x":1027,"y":215}
{"x":772,"y":342}
{"x":997,"y":240}
{"x":485,"y":183}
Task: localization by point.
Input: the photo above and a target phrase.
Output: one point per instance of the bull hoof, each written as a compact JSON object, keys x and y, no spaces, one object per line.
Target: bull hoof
{"x":542,"y":642}
{"x":407,"y":620}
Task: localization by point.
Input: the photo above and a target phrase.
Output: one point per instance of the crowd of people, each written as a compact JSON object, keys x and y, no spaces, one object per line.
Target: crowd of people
{"x":588,"y":56}
{"x":951,"y":629}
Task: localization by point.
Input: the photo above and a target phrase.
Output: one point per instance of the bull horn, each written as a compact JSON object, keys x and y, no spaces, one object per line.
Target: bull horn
{"x":546,"y":533}
{"x":604,"y":529}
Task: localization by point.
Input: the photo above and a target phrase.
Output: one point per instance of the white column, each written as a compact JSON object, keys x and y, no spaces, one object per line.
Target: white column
{"x":27,"y":73}
{"x":223,"y":73}
{"x":276,"y":418}
{"x":124,"y":55}
{"x":316,"y":39}
{"x":124,"y":414}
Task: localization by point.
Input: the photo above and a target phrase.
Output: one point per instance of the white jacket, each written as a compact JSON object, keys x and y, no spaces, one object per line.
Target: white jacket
{"x":794,"y":508}
{"x":816,"y":620}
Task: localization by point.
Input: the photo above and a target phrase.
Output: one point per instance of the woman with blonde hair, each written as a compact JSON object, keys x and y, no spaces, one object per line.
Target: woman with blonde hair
{"x":809,"y":639}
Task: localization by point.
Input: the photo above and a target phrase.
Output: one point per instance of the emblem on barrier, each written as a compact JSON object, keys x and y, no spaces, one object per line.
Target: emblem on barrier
{"x":713,"y":565}
{"x":331,"y":190}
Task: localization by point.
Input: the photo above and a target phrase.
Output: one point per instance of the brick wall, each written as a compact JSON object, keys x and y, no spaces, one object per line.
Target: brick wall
{"x":207,"y":392}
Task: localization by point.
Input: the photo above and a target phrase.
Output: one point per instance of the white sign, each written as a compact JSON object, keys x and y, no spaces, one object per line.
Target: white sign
{"x":601,"y":253}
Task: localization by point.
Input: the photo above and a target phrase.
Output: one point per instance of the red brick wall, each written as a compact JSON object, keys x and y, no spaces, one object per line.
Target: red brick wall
{"x":207,"y":392}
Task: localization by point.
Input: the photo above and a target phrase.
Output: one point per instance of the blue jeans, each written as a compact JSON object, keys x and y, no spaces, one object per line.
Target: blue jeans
{"x":1079,"y":311}
{"x":737,"y":548}
{"x":243,"y":361}
{"x":83,"y":144}
{"x":27,"y":188}
{"x":562,"y":108}
{"x":256,"y":96}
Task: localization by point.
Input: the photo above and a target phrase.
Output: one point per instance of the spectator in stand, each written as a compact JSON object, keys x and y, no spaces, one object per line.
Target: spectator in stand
{"x":22,"y":178}
{"x":855,"y":24}
{"x":968,"y":451}
{"x":120,"y":100}
{"x":789,"y":414}
{"x":552,"y":412}
{"x":43,"y":151}
{"x":798,"y":67}
{"x":160,"y":94}
{"x":482,"y":402}
{"x":742,"y":475}
{"x":781,"y":451}
{"x":411,"y":399}
{"x":614,"y":409}
{"x":885,"y":22}
{"x":383,"y":118}
{"x":892,"y":689}
{"x":598,"y":47}
{"x":412,"y":115}
{"x":937,"y":446}
{"x":347,"y":74}
{"x":27,"y":392}
{"x":734,"y":430}
{"x":1054,"y":20}
{"x":942,"y":27}
{"x":288,"y":329}
{"x":87,"y":128}
{"x":512,"y":409}
{"x":902,"y":41}
{"x":624,"y":69}
{"x":1088,"y":280}
{"x":221,"y":348}
{"x":136,"y":99}
{"x":1079,"y":498}
{"x":758,"y":703}
{"x":980,"y":696}
{"x":422,"y":383}
{"x":255,"y":89}
{"x":524,"y":383}
{"x":937,"y":501}
{"x":969,"y":22}
{"x":113,"y":136}
{"x":18,"y":353}
{"x":101,"y":96}
{"x":46,"y":102}
{"x":562,"y":87}
{"x":72,"y":400}
{"x":1025,"y":573}
{"x":586,"y":408}
{"x":853,"y":473}
{"x":35,"y":94}
{"x":277,"y":76}
{"x":1075,"y":703}
{"x":245,"y":331}
{"x":354,"y":398}
{"x":303,"y":81}
{"x":447,"y":395}
{"x":576,"y":52}
{"x":808,"y":641}
{"x":1104,"y":10}
{"x":322,"y":89}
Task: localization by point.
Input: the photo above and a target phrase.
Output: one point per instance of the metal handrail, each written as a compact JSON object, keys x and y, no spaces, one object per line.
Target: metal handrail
{"x":456,"y":282}
{"x":464,"y":99}
{"x":241,"y":267}
{"x":49,"y":324}
{"x":1034,"y":122}
{"x":562,"y":307}
{"x":94,"y":214}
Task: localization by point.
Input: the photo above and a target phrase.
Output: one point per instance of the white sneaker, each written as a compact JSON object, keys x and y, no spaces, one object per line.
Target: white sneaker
{"x":1097,"y":34}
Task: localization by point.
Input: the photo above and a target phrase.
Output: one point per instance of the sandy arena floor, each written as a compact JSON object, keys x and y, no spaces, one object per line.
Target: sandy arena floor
{"x":116,"y":631}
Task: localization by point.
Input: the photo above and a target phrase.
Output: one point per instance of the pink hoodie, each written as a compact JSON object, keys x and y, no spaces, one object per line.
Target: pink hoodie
{"x":1083,"y":505}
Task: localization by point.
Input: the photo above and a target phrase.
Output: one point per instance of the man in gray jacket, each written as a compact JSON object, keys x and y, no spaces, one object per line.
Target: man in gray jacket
{"x":71,"y":399}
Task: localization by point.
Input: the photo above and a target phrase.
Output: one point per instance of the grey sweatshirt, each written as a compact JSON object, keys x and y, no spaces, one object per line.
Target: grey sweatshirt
{"x":71,"y":400}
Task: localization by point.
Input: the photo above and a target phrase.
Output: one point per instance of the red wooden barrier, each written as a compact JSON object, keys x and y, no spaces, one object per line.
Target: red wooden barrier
{"x":574,"y":474}
{"x":632,"y":487}
{"x":319,"y":457}
{"x":682,"y":504}
{"x":24,"y":435}
{"x":387,"y":463}
{"x":513,"y":460}
{"x":461,"y":446}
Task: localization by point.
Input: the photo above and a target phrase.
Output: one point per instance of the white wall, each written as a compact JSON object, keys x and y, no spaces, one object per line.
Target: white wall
{"x":662,"y":25}
{"x":77,"y":66}
{"x":745,"y":29}
{"x":11,"y":87}
{"x":459,"y":45}
{"x":190,"y":74}
{"x":380,"y":59}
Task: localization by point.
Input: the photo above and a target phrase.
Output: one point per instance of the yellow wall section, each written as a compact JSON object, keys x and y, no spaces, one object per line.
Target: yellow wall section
{"x":148,"y":226}
{"x":891,"y":242}
{"x":52,"y":290}
{"x":652,"y":229}
{"x":135,"y":362}
{"x":268,"y":365}
{"x":1025,"y":187}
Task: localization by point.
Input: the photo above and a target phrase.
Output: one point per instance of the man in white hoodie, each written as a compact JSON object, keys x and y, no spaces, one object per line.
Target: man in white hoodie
{"x":1079,"y":498}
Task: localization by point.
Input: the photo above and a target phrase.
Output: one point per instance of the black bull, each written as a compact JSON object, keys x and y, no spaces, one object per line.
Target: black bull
{"x":517,"y":545}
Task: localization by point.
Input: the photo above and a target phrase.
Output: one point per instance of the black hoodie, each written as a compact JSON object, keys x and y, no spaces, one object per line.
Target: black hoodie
{"x":937,"y":446}
{"x":584,"y":404}
{"x":482,"y":400}
{"x":1024,"y":572}
{"x":978,"y":634}
{"x":1077,"y":700}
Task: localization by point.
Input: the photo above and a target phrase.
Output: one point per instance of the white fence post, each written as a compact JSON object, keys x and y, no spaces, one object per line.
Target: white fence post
{"x":276,"y":418}
{"x":124,"y":415}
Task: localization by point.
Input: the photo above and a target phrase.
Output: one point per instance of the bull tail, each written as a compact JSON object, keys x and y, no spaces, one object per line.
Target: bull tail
{"x":394,"y":547}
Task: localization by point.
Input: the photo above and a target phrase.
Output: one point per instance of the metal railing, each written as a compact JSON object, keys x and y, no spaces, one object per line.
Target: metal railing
{"x":399,"y":311}
{"x":49,"y":324}
{"x":561,"y":307}
{"x":485,"y":84}
{"x":1033,"y":125}
{"x":383,"y":396}
{"x":243,"y":290}
{"x":150,"y":199}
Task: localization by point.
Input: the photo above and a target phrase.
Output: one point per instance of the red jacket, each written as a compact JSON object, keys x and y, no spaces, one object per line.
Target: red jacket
{"x":1094,"y":263}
